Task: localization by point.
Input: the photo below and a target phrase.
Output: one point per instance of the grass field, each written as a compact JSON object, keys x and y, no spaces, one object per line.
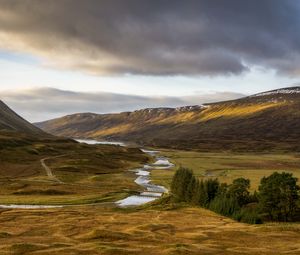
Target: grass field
{"x":83,"y":173}
{"x":100,"y":230}
{"x":99,"y":173}
{"x":90,"y":174}
{"x":229,"y":166}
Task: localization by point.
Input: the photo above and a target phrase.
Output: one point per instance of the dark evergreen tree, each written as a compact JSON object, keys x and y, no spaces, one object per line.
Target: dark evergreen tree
{"x":239,"y":189}
{"x":196,"y":194}
{"x":203,"y":195}
{"x":182,"y":184}
{"x":175,"y":181}
{"x":248,"y":215}
{"x":191,"y":189}
{"x":253,"y":198}
{"x":224,"y":205}
{"x":278,"y":195}
{"x":200,"y":195}
{"x":211,"y":186}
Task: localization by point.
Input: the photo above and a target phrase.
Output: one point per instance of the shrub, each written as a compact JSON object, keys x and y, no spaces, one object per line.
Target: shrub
{"x":248,"y":215}
{"x":224,"y":205}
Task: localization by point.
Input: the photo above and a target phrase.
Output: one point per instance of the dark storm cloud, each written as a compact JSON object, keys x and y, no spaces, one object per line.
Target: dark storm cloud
{"x":156,"y":37}
{"x":45,"y":103}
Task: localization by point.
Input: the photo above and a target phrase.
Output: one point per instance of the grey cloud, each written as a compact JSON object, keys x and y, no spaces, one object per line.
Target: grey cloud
{"x":46,"y":103}
{"x":156,"y":37}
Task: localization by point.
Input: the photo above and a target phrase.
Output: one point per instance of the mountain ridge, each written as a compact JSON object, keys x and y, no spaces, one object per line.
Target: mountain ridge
{"x":268,"y":119}
{"x":11,"y":121}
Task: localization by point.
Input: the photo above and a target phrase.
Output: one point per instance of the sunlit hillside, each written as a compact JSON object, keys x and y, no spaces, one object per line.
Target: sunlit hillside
{"x":265,"y":121}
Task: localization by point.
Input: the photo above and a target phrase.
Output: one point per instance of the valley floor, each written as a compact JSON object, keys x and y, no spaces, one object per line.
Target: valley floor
{"x":98,"y":230}
{"x":227,"y":166}
{"x":67,"y":173}
{"x":91,"y":175}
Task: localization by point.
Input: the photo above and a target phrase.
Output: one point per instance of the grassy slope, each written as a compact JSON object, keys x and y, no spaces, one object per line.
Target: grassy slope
{"x":266,"y":123}
{"x":89,"y":173}
{"x":98,"y":230}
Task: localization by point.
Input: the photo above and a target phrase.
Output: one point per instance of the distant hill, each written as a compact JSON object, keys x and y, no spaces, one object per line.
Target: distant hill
{"x":263,"y":122}
{"x":11,"y":121}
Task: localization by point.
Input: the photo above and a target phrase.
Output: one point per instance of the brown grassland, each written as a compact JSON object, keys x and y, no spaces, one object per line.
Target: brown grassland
{"x":97,"y":174}
{"x":99,"y":230}
{"x":83,"y":173}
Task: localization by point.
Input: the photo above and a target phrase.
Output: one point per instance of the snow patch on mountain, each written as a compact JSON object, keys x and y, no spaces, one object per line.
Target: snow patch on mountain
{"x":293,"y":90}
{"x":191,"y":108}
{"x":178,"y":109}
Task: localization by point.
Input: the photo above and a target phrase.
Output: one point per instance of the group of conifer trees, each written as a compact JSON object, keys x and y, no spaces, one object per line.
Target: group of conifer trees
{"x":277,"y":199}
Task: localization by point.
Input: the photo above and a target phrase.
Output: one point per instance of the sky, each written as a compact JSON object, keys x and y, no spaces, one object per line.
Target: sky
{"x":69,"y":56}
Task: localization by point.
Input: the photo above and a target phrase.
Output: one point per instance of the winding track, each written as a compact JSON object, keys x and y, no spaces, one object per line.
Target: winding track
{"x":49,"y":170}
{"x":54,"y":178}
{"x":51,"y":176}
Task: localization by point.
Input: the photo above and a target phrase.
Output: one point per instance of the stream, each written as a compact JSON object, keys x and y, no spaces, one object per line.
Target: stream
{"x":151,"y":191}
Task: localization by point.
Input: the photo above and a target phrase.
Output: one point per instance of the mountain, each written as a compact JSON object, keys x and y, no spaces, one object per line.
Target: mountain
{"x":10,"y":121}
{"x":16,"y":131}
{"x":24,"y":149}
{"x":262,"y":122}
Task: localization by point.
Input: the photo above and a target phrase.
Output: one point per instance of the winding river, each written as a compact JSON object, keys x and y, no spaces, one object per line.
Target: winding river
{"x":150,"y":191}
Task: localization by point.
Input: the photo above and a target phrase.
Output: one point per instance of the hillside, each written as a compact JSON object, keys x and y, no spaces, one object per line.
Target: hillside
{"x":16,"y":131}
{"x":36,"y":167}
{"x":265,"y":121}
{"x":10,"y":121}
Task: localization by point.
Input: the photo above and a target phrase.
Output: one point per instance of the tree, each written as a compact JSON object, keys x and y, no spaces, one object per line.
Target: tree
{"x":239,"y":189}
{"x":182,"y":184}
{"x":190,"y":190}
{"x":224,"y":205}
{"x":185,"y":187}
{"x":278,"y":195}
{"x":200,"y":196}
{"x":211,"y":187}
{"x":175,"y":182}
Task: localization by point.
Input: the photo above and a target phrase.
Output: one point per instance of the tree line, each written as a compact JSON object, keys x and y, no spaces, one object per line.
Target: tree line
{"x":277,"y":198}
